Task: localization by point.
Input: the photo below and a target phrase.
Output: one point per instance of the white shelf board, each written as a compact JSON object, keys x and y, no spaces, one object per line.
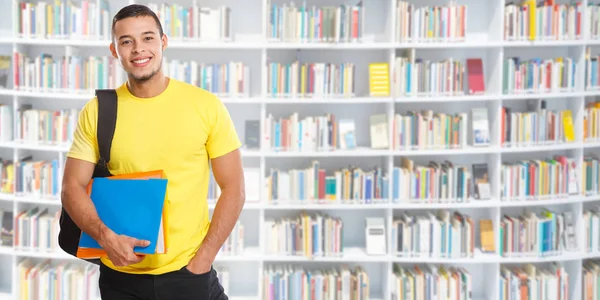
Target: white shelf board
{"x":351,"y":254}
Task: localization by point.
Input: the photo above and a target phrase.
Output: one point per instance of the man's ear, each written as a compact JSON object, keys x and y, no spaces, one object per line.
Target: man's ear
{"x":113,"y":50}
{"x":165,"y":41}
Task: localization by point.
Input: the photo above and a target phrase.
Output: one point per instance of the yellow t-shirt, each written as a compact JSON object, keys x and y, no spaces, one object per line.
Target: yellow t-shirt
{"x":177,"y":131}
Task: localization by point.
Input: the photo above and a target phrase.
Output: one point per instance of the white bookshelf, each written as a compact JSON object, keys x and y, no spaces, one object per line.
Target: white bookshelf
{"x":249,"y":22}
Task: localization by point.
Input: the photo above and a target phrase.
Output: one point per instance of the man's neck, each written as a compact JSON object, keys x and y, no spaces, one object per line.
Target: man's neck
{"x":149,"y":88}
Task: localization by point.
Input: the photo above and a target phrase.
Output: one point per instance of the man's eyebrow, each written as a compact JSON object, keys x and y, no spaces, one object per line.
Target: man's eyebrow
{"x":129,"y":36}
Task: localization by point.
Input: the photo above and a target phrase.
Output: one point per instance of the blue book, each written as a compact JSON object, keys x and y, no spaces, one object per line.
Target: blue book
{"x":132,"y":207}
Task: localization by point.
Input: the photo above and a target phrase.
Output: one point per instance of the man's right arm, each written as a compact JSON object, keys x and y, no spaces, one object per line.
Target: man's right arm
{"x":77,"y":175}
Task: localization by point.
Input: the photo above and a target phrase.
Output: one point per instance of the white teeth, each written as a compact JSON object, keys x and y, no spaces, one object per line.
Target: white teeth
{"x":141,"y":61}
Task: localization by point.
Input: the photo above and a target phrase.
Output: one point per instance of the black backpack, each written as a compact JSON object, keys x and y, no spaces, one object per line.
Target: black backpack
{"x":69,"y":233}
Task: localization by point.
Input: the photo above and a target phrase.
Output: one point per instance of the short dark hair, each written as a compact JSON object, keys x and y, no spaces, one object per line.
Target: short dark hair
{"x":136,"y":10}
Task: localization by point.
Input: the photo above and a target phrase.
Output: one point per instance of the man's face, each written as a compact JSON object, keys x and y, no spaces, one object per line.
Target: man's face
{"x":138,"y":45}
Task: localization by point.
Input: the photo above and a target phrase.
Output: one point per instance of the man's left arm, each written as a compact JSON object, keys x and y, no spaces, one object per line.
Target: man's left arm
{"x":229,"y":175}
{"x":222,"y":147}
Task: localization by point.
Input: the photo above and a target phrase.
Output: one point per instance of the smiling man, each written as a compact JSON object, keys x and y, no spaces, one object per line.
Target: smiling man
{"x":161,"y":124}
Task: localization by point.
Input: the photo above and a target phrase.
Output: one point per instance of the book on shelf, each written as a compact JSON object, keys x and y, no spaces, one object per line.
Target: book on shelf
{"x":486,"y":236}
{"x":591,"y":122}
{"x":6,"y":228}
{"x":481,"y":181}
{"x":436,"y":182}
{"x":252,"y":186}
{"x":57,"y":280}
{"x":5,"y":72}
{"x":378,"y":129}
{"x":445,"y":234}
{"x":66,"y":73}
{"x":379,"y":80}
{"x":375,"y":236}
{"x":590,"y":175}
{"x":538,"y":75}
{"x":195,"y":22}
{"x":536,"y":127}
{"x":536,"y":235}
{"x":294,"y":23}
{"x":307,"y":235}
{"x":85,"y":19}
{"x":38,"y":179}
{"x":532,"y":281}
{"x":252,"y":134}
{"x":310,"y":80}
{"x":476,"y":82}
{"x":422,"y":77}
{"x":539,"y":179}
{"x":531,"y":20}
{"x":418,"y":23}
{"x":430,"y":282}
{"x":234,"y":245}
{"x":36,"y":230}
{"x":347,"y":185}
{"x":133,"y":204}
{"x":343,"y":282}
{"x":427,"y":129}
{"x":590,"y":279}
{"x":481,"y":126}
{"x":591,"y":228}
{"x":231,"y":79}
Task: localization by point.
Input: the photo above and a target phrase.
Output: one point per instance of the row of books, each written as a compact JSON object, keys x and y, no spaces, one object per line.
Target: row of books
{"x":448,"y":234}
{"x":252,"y":185}
{"x":539,"y":75}
{"x":282,"y":282}
{"x":36,"y":230}
{"x":227,"y":79}
{"x":425,"y":77}
{"x":591,"y":229}
{"x":309,"y":235}
{"x":312,"y":184}
{"x":539,"y":179}
{"x":6,"y":228}
{"x":89,"y":19}
{"x":34,"y":178}
{"x":534,"y":282}
{"x":291,"y":22}
{"x":38,"y":126}
{"x":430,"y":282}
{"x":298,"y":79}
{"x":539,"y":235}
{"x":591,"y":121}
{"x":46,"y":73}
{"x":537,"y":126}
{"x":544,"y":20}
{"x":439,"y":182}
{"x":592,"y":81}
{"x":54,"y":280}
{"x":446,"y":22}
{"x":194,"y":22}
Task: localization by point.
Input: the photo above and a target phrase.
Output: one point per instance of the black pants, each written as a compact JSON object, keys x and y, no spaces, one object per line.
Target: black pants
{"x":178,"y":285}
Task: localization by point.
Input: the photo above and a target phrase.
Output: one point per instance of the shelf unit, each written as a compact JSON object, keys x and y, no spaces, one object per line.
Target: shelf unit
{"x":249,"y":22}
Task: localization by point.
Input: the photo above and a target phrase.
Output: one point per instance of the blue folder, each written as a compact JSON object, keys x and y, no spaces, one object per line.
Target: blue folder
{"x":132,"y":207}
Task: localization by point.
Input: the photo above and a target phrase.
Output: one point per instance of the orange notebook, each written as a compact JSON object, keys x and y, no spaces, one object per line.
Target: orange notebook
{"x":162,"y":241}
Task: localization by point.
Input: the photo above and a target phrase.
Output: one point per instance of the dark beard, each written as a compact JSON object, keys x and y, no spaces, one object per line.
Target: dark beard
{"x":145,"y":78}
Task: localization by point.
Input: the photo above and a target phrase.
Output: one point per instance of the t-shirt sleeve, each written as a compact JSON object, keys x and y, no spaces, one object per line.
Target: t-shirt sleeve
{"x":85,"y":144}
{"x":222,"y":136}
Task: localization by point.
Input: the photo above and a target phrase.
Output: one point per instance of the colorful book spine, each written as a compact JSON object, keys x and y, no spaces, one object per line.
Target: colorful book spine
{"x":85,"y":19}
{"x":591,"y":122}
{"x":593,"y":14}
{"x":427,"y":78}
{"x":46,"y":127}
{"x":533,"y":281}
{"x":539,"y":75}
{"x":590,"y":173}
{"x":436,"y":182}
{"x":350,"y":185}
{"x":290,"y":22}
{"x":430,"y":282}
{"x":538,"y":179}
{"x":440,"y":23}
{"x":426,"y":129}
{"x":67,"y":74}
{"x":311,"y":133}
{"x":38,"y":179}
{"x":545,"y":20}
{"x":592,"y":81}
{"x":195,"y":22}
{"x":225,"y":80}
{"x":535,"y":128}
{"x":36,"y":230}
{"x":314,"y":235}
{"x":297,"y":282}
{"x":310,"y":80}
{"x":534,"y":235}
{"x":442,"y":235}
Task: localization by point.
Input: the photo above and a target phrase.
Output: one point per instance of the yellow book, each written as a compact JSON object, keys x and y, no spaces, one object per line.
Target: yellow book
{"x":379,"y":79}
{"x":568,"y":126}
{"x":532,"y":11}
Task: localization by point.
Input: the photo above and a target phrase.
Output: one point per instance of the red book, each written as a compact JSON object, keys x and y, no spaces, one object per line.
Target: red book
{"x":475,"y":74}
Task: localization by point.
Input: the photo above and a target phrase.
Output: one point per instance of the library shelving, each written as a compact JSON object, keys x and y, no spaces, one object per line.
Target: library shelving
{"x":470,"y":171}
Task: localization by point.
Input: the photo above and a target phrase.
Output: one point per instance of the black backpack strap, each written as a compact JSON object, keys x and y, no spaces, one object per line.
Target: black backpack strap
{"x":107,"y":118}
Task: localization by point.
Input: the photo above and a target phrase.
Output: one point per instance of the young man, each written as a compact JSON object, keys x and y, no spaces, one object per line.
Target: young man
{"x":162,"y":124}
